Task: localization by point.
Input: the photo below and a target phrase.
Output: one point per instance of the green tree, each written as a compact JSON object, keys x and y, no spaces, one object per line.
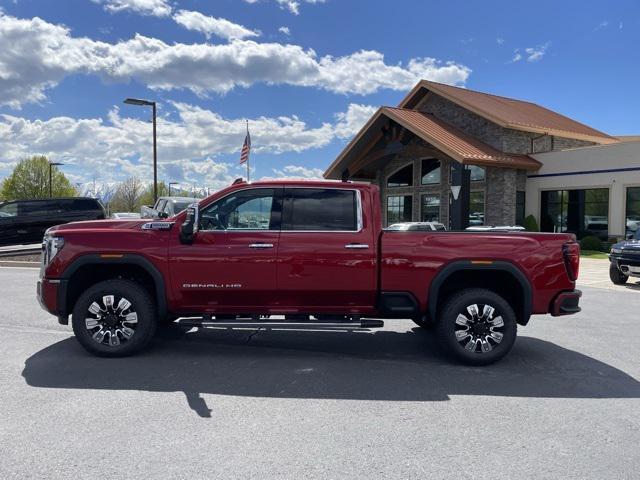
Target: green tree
{"x":127,"y":196}
{"x":147,"y":195}
{"x":30,"y":179}
{"x":530,"y":224}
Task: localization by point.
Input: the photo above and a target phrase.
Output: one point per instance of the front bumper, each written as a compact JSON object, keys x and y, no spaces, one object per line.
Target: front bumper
{"x":625,"y":260}
{"x":566,"y":303}
{"x":51,"y":294}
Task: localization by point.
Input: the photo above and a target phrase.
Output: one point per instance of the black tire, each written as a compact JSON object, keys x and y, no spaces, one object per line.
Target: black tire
{"x":480,"y":330}
{"x":114,"y":322}
{"x":616,"y":276}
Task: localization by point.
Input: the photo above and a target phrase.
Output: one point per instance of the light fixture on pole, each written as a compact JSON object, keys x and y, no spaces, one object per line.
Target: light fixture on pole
{"x":147,"y":103}
{"x":51,"y":165}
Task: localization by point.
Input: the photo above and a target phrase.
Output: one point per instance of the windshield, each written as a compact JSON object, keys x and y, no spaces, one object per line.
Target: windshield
{"x":180,"y":206}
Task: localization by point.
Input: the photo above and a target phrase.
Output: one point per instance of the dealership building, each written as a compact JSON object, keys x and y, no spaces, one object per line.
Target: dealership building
{"x":462,"y":157}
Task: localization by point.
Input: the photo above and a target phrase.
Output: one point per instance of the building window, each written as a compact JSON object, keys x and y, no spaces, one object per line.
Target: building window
{"x":520,"y":200}
{"x":430,"y":208}
{"x":477,"y":173}
{"x":633,"y":211}
{"x":583,"y":212}
{"x":402,"y":178}
{"x":399,"y":209}
{"x":476,"y":208}
{"x":430,"y":171}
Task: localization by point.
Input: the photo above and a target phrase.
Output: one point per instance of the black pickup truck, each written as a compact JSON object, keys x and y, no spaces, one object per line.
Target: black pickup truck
{"x":25,"y":221}
{"x":625,"y":260}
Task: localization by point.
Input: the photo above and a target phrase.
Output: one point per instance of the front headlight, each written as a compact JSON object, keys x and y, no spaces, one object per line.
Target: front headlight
{"x":50,"y":248}
{"x":616,"y":250}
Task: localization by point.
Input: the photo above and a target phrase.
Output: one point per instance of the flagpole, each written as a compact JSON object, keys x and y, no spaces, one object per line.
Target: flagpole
{"x":248,"y":178}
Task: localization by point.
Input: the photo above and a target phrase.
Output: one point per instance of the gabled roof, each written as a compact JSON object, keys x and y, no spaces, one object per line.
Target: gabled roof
{"x":509,"y":112}
{"x":446,"y":138}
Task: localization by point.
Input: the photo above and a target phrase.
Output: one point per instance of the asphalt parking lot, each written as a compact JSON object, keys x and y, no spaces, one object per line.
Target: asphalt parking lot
{"x":370,"y":405}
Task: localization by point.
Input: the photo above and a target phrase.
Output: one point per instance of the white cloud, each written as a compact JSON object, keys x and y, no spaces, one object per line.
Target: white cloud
{"x":500,"y":41}
{"x":292,"y":6}
{"x":535,"y":54}
{"x":601,"y":25}
{"x":219,"y":27}
{"x":42,"y":54}
{"x":296,"y":172}
{"x":350,"y":122}
{"x":189,"y":147}
{"x":532,"y":54}
{"x":158,"y":8}
{"x":285,"y":31}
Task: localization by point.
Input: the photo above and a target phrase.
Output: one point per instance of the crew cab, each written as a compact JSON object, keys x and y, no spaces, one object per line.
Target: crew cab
{"x":313,"y":252}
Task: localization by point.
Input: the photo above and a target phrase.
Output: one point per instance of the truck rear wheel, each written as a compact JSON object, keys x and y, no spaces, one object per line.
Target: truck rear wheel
{"x":114,"y":318}
{"x":477,"y":326}
{"x":616,"y":276}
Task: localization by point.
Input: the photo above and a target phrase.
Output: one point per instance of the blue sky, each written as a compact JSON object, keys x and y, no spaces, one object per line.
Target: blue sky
{"x":306,"y":73}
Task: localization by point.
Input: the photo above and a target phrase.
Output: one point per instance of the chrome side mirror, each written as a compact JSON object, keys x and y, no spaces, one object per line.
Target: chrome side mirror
{"x":189,"y":227}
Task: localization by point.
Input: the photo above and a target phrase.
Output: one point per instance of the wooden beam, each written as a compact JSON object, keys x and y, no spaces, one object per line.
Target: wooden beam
{"x":361,"y":161}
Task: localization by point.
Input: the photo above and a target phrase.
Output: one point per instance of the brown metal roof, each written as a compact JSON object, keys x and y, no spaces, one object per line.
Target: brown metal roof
{"x":446,"y":138}
{"x":509,"y":112}
{"x":455,"y":143}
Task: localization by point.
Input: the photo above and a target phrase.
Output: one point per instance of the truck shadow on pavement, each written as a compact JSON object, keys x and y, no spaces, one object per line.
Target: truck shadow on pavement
{"x":385,"y":365}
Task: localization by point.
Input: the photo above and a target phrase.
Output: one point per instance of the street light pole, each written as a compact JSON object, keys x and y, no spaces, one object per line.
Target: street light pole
{"x":155,"y":157}
{"x":147,"y":103}
{"x":51,"y":165}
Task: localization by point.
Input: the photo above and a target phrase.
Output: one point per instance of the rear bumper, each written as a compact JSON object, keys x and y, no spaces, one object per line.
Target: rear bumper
{"x":566,"y":303}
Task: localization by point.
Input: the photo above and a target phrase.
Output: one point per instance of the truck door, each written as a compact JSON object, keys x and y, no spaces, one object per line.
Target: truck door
{"x":231,"y":265}
{"x":327,"y":252}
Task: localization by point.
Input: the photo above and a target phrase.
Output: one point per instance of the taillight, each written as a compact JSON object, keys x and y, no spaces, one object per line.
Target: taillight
{"x":571,"y":254}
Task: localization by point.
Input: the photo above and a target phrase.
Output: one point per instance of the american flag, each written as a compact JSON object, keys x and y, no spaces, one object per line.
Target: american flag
{"x":246,"y":148}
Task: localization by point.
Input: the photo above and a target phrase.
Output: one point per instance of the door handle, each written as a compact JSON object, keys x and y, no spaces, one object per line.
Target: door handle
{"x":357,"y":246}
{"x":261,"y":245}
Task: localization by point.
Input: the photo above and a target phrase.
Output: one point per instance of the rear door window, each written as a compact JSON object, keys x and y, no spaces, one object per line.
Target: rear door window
{"x":320,"y":209}
{"x":8,"y":210}
{"x":84,"y":204}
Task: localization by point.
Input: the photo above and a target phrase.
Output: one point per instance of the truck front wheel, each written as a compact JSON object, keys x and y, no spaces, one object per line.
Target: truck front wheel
{"x":477,"y":326}
{"x":616,"y":276}
{"x":114,"y":318}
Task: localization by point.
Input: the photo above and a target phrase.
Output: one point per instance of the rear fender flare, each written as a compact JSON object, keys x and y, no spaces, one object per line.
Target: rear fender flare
{"x":460,"y":265}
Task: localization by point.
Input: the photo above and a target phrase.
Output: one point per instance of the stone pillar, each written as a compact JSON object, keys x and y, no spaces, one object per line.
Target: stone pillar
{"x":500,"y":196}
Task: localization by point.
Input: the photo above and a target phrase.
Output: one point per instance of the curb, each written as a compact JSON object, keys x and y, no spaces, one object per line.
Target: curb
{"x":19,"y":264}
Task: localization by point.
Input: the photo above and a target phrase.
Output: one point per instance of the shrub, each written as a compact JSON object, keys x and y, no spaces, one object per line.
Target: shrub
{"x":591,"y":243}
{"x":530,"y":224}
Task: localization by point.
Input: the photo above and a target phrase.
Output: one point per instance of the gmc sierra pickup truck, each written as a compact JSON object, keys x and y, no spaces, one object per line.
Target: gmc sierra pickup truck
{"x":311,"y":251}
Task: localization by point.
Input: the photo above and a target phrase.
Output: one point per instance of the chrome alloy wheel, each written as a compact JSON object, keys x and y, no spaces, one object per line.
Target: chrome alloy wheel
{"x":109,"y":323}
{"x":479,"y":332}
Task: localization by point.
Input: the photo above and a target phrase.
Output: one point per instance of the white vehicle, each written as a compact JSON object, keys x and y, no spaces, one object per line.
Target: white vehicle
{"x":166,"y":207}
{"x":125,"y":215}
{"x":491,"y":228}
{"x":417,"y":227}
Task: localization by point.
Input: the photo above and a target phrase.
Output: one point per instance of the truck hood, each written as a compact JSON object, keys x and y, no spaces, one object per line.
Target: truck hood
{"x":96,"y":225}
{"x":629,"y":245}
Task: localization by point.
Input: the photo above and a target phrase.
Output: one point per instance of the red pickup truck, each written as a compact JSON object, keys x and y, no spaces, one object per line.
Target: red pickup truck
{"x":313,"y":251}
